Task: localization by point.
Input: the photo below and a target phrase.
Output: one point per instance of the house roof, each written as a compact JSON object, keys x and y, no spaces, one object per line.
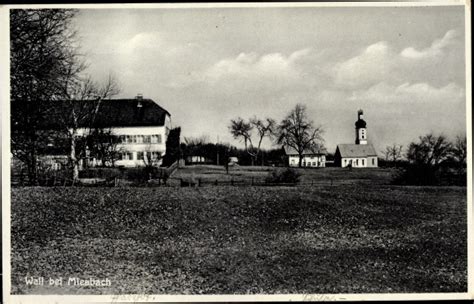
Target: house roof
{"x":111,"y":113}
{"x":353,"y":150}
{"x":316,"y":151}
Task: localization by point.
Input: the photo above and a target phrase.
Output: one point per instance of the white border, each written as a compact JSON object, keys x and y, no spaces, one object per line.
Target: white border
{"x":5,"y":131}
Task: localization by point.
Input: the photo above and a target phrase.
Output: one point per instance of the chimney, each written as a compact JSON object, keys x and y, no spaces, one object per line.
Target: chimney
{"x":360,"y":114}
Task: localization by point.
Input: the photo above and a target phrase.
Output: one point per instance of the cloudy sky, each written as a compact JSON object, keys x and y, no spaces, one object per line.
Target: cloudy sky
{"x":403,"y":66}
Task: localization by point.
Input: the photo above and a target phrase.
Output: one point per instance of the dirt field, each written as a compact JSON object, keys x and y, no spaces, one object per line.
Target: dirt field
{"x":225,"y":240}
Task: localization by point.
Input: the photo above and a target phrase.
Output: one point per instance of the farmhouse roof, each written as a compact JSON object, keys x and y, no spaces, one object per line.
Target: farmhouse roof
{"x":315,"y":151}
{"x":111,"y":113}
{"x":353,"y":150}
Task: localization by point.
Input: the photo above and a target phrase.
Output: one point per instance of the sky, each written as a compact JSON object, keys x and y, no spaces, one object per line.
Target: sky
{"x":405,"y":67}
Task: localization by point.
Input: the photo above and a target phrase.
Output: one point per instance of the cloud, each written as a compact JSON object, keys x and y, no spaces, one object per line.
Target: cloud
{"x":374,"y":63}
{"x":381,"y":62}
{"x":436,"y":49}
{"x":252,"y":67}
{"x":408,"y":94}
{"x":145,"y":40}
{"x":159,"y":44}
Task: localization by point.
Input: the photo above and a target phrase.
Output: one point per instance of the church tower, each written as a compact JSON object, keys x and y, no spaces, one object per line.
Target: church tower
{"x":361,"y":129}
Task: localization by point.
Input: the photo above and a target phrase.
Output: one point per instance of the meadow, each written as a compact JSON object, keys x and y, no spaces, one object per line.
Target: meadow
{"x":343,"y":238}
{"x":244,"y":175}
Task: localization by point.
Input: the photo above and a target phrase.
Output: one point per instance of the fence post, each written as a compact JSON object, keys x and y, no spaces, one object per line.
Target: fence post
{"x":252,"y":181}
{"x":232,"y":181}
{"x":215,"y":183}
{"x":199,"y":182}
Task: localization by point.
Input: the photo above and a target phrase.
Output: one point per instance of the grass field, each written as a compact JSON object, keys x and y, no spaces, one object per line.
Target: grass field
{"x":211,"y":173}
{"x":225,"y":240}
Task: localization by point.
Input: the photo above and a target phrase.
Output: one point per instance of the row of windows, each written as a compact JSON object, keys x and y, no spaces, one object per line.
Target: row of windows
{"x":153,"y":155}
{"x":140,"y":139}
{"x":305,"y":164}
{"x":356,"y":162}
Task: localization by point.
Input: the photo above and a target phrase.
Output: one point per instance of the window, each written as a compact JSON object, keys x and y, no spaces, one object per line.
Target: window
{"x":314,"y":164}
{"x":139,"y":139}
{"x":155,"y":155}
{"x":127,"y":156}
{"x":139,"y":155}
{"x":373,"y":161}
{"x":362,"y":162}
{"x":134,"y":139}
{"x":146,"y":139}
{"x":156,"y":139}
{"x":357,"y":162}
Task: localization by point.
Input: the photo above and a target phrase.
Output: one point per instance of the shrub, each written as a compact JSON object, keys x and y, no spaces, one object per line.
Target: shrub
{"x":279,"y":176}
{"x":138,"y":174}
{"x":107,"y":173}
{"x":429,"y":176}
{"x":416,"y":175}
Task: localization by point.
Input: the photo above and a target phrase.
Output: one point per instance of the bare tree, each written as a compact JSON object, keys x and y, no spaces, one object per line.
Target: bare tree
{"x":297,"y":131}
{"x":459,"y":151}
{"x":151,"y":159}
{"x":46,"y":81}
{"x":78,"y":110}
{"x":239,"y":128}
{"x":104,"y":146}
{"x":431,"y":150}
{"x":40,"y":48}
{"x":264,"y":128}
{"x":393,"y":153}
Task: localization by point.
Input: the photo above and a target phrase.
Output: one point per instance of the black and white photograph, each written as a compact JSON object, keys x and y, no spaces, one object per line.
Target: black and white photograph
{"x":313,"y":150}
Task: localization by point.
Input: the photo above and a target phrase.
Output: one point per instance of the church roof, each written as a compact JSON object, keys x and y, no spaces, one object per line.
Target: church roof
{"x":360,"y":123}
{"x":353,"y":150}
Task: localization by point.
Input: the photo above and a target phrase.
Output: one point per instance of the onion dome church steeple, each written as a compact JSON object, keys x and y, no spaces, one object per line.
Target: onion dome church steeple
{"x":361,"y":129}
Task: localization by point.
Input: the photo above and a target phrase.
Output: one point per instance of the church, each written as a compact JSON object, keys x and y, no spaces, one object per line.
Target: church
{"x":358,"y":155}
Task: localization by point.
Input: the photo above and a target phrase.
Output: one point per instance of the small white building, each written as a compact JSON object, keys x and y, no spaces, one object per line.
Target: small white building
{"x":311,"y":158}
{"x":358,"y":155}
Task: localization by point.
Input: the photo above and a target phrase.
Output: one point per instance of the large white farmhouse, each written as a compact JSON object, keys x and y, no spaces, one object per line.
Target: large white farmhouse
{"x":311,"y":158}
{"x":140,"y":125}
{"x":360,"y":154}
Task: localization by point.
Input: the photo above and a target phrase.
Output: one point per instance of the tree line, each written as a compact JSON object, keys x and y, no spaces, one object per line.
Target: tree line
{"x":432,"y":159}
